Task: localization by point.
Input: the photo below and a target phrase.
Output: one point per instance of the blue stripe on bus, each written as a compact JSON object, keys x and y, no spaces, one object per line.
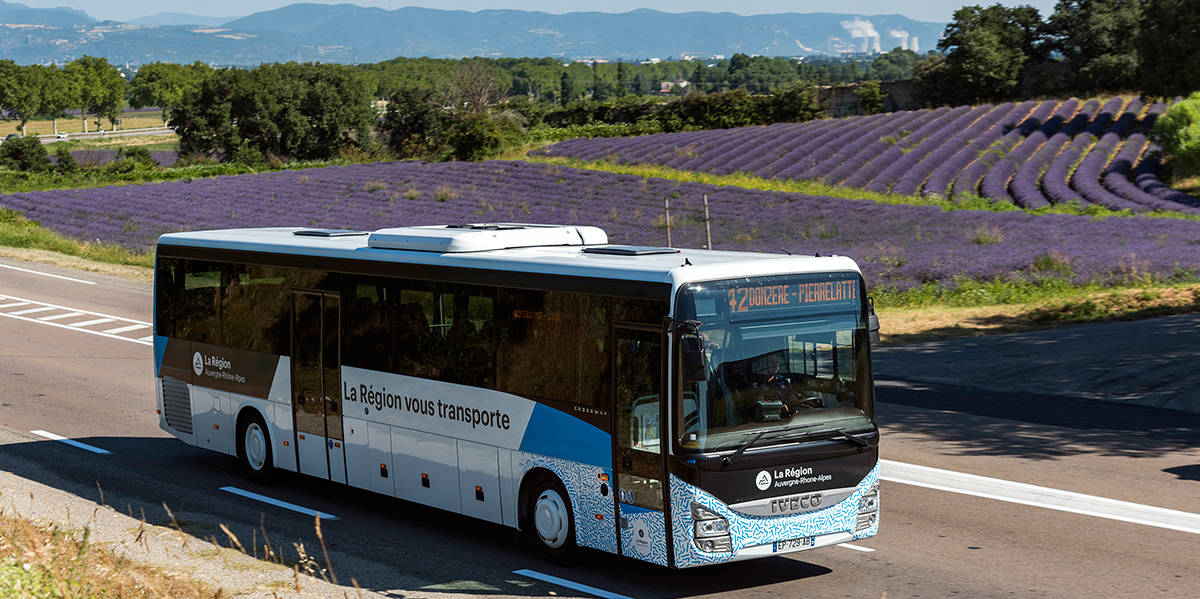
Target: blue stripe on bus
{"x":160,"y":349}
{"x":561,"y":435}
{"x":630,"y":509}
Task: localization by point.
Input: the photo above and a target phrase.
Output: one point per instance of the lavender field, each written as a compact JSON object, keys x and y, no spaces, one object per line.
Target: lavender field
{"x":1032,"y":154}
{"x":898,"y":246}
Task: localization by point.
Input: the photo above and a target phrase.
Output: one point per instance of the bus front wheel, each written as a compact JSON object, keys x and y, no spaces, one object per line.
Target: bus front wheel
{"x":254,"y":449}
{"x":550,"y":521}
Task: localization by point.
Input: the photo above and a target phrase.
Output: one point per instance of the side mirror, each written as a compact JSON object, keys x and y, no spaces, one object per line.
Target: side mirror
{"x":872,"y":321}
{"x":695,"y":365}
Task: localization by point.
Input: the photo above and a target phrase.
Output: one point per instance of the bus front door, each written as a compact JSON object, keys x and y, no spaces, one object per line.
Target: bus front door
{"x":317,"y":385}
{"x":641,"y":481}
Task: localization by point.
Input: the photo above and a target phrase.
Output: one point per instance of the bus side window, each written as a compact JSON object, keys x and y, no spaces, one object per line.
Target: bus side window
{"x":201,"y":303}
{"x":539,"y":343}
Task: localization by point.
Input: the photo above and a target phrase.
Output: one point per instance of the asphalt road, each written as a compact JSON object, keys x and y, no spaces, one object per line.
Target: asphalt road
{"x":933,"y":542}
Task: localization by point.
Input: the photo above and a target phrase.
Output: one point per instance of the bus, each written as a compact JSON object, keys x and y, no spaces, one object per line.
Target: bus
{"x":678,"y":406}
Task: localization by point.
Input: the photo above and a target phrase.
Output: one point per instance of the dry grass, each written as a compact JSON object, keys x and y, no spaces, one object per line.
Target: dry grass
{"x":38,"y":561}
{"x":161,"y":141}
{"x":129,"y":120}
{"x":901,"y":325}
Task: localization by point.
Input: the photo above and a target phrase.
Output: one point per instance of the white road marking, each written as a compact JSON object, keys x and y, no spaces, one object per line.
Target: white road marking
{"x":131,"y":327}
{"x":1045,"y":497}
{"x":13,"y":305}
{"x":278,"y":503}
{"x":31,"y":311}
{"x":61,"y":316}
{"x":92,"y":322}
{"x":46,"y":274}
{"x":130,"y":324}
{"x":570,"y":584}
{"x":71,"y":442}
{"x":147,"y":338}
{"x":857,"y":548}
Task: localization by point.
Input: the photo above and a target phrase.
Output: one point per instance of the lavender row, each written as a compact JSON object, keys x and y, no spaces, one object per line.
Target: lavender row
{"x":1025,"y":154}
{"x":897,"y":246}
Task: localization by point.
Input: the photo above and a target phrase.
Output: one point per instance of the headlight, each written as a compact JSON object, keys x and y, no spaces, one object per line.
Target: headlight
{"x":711,"y":531}
{"x":869,"y":501}
{"x":868,"y":510}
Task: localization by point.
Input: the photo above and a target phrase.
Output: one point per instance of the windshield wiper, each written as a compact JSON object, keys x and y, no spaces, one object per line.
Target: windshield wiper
{"x":840,"y":435}
{"x":727,"y":460}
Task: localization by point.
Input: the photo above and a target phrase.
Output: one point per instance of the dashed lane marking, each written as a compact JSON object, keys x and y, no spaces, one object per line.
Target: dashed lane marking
{"x":278,"y":503}
{"x":1045,"y":497}
{"x":857,"y":548}
{"x":570,"y":584}
{"x":71,"y":442}
{"x":51,"y":315}
{"x":46,"y":274}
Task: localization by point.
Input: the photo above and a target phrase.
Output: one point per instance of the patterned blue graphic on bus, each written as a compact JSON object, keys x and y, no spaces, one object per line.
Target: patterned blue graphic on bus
{"x":752,"y":531}
{"x":643,"y":534}
{"x":585,"y":485}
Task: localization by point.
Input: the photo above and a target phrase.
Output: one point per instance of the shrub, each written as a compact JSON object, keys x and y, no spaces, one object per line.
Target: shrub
{"x":1178,"y":131}
{"x":24,"y":154}
{"x":248,"y":155}
{"x":480,"y":136}
{"x":136,"y":154}
{"x":66,"y":162}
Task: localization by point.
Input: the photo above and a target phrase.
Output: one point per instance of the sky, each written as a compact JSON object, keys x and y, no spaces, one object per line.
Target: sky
{"x":926,"y":10}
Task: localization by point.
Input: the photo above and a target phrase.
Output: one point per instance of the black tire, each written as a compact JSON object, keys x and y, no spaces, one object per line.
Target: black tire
{"x":550,"y":520}
{"x":254,"y":449}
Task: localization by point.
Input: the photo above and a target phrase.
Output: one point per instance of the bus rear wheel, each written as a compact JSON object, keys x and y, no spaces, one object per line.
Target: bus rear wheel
{"x":254,"y":449}
{"x":550,"y":522}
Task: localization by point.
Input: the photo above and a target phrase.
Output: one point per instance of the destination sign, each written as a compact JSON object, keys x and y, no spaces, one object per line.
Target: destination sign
{"x":772,"y":297}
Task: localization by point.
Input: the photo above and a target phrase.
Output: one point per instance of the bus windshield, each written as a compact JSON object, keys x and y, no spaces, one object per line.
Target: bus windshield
{"x":783,"y":352}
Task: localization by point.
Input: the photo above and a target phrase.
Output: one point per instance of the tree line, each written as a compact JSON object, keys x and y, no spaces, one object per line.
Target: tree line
{"x":1084,"y":47}
{"x":89,"y":85}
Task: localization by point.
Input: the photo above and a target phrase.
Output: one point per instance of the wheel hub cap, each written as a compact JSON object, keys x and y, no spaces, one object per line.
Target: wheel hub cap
{"x":551,"y":518}
{"x":256,"y":447}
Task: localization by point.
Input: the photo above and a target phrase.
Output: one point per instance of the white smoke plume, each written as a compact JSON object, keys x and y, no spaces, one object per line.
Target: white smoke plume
{"x":900,"y":35}
{"x":860,"y":27}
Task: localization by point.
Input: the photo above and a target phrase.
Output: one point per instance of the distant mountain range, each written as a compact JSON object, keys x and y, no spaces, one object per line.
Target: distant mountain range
{"x":352,"y":34}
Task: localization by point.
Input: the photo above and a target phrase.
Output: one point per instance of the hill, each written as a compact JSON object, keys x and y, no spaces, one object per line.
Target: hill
{"x":16,"y":17}
{"x":353,"y":34}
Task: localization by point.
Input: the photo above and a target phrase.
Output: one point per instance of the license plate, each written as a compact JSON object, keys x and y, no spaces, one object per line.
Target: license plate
{"x":793,"y":544}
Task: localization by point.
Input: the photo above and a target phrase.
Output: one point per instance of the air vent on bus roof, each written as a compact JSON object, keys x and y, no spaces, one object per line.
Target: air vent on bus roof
{"x":483,"y":237}
{"x":328,"y":232}
{"x":630,"y":250}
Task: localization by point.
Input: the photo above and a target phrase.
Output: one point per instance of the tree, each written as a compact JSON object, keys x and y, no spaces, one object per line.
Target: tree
{"x":1169,"y":44}
{"x":566,"y":89}
{"x":599,"y":86}
{"x":28,"y":86}
{"x":987,"y":52}
{"x":1178,"y":131}
{"x":100,"y":87}
{"x":475,"y":86}
{"x":622,"y":79}
{"x":288,"y":111}
{"x":1097,"y":39}
{"x":164,"y":84}
{"x":415,"y":124}
{"x":871,"y":97}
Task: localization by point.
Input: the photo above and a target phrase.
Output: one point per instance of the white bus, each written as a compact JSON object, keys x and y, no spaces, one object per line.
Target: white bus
{"x":682,"y":407}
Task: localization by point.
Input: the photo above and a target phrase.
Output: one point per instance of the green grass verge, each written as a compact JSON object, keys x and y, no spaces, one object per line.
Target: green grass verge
{"x":815,"y":188}
{"x":19,"y":232}
{"x":117,"y":174}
